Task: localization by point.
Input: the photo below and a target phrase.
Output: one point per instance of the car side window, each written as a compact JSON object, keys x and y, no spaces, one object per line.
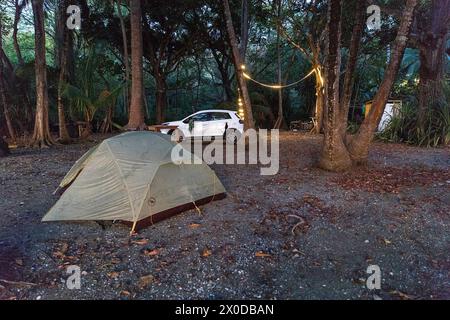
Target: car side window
{"x":202,"y":117}
{"x":187,"y":120}
{"x":221,"y":116}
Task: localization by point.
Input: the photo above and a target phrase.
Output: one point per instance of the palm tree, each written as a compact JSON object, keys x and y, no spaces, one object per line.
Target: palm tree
{"x":136,"y":117}
{"x":88,"y":96}
{"x":41,"y":136}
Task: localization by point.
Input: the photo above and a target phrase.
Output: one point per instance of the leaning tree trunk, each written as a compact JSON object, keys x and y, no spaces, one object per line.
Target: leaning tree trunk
{"x":136,"y":117}
{"x":248,"y":116}
{"x":63,"y":48}
{"x":358,"y":145}
{"x":18,"y":12}
{"x":334,"y":155}
{"x":349,"y":78}
{"x":41,"y":136}
{"x":432,"y":45}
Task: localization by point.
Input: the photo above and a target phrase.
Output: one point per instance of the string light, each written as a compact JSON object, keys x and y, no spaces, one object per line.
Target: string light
{"x":278,"y":86}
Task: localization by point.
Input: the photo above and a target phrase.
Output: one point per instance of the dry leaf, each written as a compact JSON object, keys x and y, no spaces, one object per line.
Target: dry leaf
{"x":140,"y":242}
{"x":125,"y":293}
{"x":19,"y":262}
{"x":153,"y":252}
{"x":64,"y":248}
{"x":401,"y":295}
{"x":113,"y":275}
{"x":62,"y":251}
{"x":261,"y":254}
{"x":144,"y":281}
{"x":206,"y":252}
{"x":115,"y":260}
{"x":194,"y":225}
{"x":386,"y":241}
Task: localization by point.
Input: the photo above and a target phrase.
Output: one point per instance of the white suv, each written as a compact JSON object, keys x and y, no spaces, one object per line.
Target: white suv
{"x":207,"y":123}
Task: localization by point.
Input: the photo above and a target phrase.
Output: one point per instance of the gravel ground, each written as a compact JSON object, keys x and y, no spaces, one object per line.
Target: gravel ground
{"x":395,"y":213}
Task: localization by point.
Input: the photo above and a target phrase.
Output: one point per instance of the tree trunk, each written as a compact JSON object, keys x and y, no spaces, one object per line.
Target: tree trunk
{"x":244,"y":30}
{"x":222,"y":66}
{"x":248,"y":116}
{"x":126,"y":60}
{"x":320,"y":85}
{"x":41,"y":136}
{"x":64,"y":42}
{"x":334,"y":155}
{"x":320,"y":101}
{"x":161,"y":97}
{"x":4,"y":99}
{"x":136,"y":117}
{"x":18,"y":12}
{"x":4,"y":149}
{"x":349,"y":77}
{"x":279,"y":121}
{"x":107,"y":121}
{"x":432,"y":45}
{"x":358,"y":145}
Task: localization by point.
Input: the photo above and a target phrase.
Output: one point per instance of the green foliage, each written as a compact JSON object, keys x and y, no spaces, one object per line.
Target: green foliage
{"x":90,"y":94}
{"x":435,"y":130}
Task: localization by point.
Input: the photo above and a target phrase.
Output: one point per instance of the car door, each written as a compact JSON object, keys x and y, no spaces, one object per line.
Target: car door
{"x":198,"y":124}
{"x":220,"y":122}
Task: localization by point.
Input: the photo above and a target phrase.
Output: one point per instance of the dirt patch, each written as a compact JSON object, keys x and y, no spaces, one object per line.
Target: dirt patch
{"x":391,"y":179}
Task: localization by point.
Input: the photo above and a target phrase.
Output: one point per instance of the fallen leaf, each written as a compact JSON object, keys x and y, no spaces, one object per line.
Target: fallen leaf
{"x":194,"y":225}
{"x":19,"y":262}
{"x":61,"y":253}
{"x":115,"y":260}
{"x":386,"y":241}
{"x":125,"y":293}
{"x":144,"y":281}
{"x":113,"y":275}
{"x":261,"y":254}
{"x":401,"y":295}
{"x":140,"y":242}
{"x":153,"y":252}
{"x":206,"y":252}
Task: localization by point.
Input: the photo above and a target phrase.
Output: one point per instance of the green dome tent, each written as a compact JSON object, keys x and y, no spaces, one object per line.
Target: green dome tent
{"x":131,"y":178}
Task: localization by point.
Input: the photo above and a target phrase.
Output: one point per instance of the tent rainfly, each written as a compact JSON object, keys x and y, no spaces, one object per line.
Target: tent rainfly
{"x":132,"y":178}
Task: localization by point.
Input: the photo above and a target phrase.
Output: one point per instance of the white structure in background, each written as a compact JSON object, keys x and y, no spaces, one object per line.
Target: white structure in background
{"x":391,"y":109}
